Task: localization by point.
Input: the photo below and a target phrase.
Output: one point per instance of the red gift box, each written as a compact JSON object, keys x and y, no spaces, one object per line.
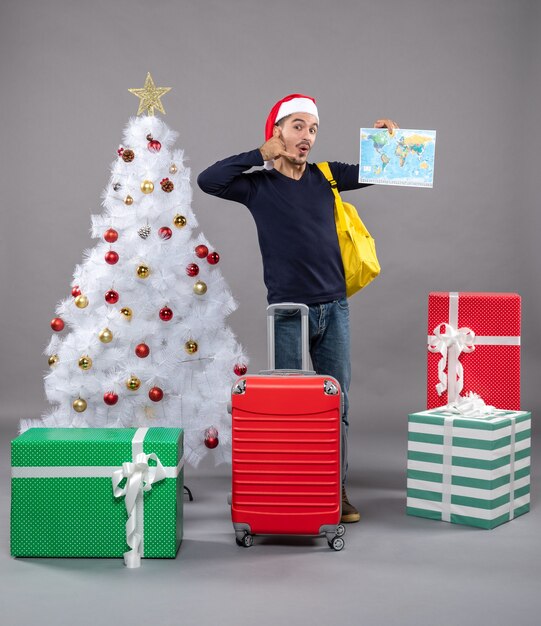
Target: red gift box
{"x":476,"y":337}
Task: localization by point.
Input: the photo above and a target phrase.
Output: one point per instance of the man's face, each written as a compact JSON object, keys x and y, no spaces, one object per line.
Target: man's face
{"x":299,"y":132}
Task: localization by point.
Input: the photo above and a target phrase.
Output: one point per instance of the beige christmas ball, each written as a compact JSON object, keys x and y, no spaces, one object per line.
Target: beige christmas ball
{"x":81,"y":302}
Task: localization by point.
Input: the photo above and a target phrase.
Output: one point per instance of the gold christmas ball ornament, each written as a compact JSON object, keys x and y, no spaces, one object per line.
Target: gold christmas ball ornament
{"x":173,"y":169}
{"x":85,"y":362}
{"x":126,"y":312}
{"x":105,"y":335}
{"x":143,"y":271}
{"x":179,"y":221}
{"x":147,"y":186}
{"x":81,"y":302}
{"x":128,"y":200}
{"x":133,"y":383}
{"x":79,"y":405}
{"x":53,"y":359}
{"x":191,"y":346}
{"x":200,"y":288}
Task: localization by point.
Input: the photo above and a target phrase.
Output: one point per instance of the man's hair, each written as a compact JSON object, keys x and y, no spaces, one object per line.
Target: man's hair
{"x":282,"y":120}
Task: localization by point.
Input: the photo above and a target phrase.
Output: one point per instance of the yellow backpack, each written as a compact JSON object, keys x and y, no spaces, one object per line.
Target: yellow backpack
{"x":357,"y":246}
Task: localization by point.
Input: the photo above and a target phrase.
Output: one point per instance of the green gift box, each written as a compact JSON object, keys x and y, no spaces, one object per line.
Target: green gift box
{"x":469,"y":470}
{"x":95,"y":492}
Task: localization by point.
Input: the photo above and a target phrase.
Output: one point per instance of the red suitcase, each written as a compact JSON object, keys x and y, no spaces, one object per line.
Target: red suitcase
{"x":286,"y":450}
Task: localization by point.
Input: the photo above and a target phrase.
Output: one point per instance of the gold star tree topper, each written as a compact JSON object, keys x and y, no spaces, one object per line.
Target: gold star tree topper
{"x":150,"y":97}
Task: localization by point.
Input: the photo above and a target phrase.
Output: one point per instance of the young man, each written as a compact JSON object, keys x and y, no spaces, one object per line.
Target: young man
{"x":293,"y":207}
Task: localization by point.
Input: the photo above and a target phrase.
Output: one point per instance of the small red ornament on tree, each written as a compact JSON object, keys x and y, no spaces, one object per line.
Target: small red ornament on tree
{"x":211,"y":437}
{"x":75,"y":291}
{"x":155,"y":394}
{"x":201,"y":251}
{"x":165,"y":232}
{"x":110,"y":398}
{"x":111,"y":296}
{"x":213,"y":258}
{"x":120,"y":151}
{"x":166,"y":314}
{"x":110,"y":235}
{"x":57,"y":324}
{"x":111,"y":257}
{"x":142,"y":350}
{"x":192,"y":269}
{"x":153,"y":144}
{"x":240,"y":369}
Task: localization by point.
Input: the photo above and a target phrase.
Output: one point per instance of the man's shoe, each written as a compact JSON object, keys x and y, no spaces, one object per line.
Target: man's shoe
{"x":349,"y":512}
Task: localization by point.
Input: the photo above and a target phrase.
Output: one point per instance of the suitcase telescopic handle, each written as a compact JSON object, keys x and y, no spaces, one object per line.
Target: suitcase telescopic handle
{"x":288,"y":306}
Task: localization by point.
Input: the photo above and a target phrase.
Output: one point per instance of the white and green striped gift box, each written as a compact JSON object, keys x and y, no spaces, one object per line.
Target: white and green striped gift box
{"x":469,"y":470}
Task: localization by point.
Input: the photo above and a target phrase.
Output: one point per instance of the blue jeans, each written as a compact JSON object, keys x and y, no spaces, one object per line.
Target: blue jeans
{"x":329,"y":348}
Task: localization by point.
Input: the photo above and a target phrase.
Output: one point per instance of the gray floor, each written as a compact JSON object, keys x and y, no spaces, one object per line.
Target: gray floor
{"x":394,"y":569}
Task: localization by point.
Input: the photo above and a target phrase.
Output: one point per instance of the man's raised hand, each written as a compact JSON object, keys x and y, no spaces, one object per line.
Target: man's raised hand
{"x":386,"y":123}
{"x":275,"y":147}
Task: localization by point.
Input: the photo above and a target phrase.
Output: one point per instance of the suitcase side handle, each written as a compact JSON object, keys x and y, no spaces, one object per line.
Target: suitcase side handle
{"x":288,"y":306}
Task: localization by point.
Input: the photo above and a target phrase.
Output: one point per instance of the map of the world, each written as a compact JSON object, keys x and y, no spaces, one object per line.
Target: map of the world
{"x":404,"y":158}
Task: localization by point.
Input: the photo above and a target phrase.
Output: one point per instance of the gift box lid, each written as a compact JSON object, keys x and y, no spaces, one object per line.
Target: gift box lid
{"x":49,"y":447}
{"x":500,"y":419}
{"x":487,"y":313}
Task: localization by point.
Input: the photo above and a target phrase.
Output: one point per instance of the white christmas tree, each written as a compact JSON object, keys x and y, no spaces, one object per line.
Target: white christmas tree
{"x":142,"y":340}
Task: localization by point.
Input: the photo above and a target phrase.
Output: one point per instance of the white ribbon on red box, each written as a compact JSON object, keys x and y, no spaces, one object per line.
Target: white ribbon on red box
{"x":450,"y":341}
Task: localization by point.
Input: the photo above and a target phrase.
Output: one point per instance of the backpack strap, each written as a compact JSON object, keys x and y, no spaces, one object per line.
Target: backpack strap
{"x":324,"y":167}
{"x":340,"y":211}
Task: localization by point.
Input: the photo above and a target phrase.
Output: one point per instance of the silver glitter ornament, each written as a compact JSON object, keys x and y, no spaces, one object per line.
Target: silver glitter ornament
{"x":144,"y":232}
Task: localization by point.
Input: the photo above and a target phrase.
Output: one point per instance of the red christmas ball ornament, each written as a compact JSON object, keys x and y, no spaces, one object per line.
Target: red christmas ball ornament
{"x":165,"y":232}
{"x":142,"y":350}
{"x":110,"y":398}
{"x":57,"y":324}
{"x":240,"y":369}
{"x":155,"y":394}
{"x":213,"y":258}
{"x":111,"y":257}
{"x":201,"y":251}
{"x":192,"y":269}
{"x":111,"y":296}
{"x":153,"y":144}
{"x":211,"y":437}
{"x":110,"y":235}
{"x":166,"y":314}
{"x":75,"y":291}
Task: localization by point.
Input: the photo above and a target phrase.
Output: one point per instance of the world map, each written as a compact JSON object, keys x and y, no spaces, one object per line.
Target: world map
{"x":405,"y":158}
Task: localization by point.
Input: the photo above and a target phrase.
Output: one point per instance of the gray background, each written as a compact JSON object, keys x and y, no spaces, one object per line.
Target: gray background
{"x":470,"y":70}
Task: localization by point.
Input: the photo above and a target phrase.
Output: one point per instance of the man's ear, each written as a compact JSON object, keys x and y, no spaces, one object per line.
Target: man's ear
{"x":276,"y":131}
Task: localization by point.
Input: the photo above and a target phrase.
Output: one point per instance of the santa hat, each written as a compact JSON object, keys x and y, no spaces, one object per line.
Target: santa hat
{"x":294,"y":103}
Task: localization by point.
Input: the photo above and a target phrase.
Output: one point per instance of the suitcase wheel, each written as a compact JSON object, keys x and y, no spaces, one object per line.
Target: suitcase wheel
{"x":337,"y":543}
{"x":340,"y":530}
{"x":246,"y":542}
